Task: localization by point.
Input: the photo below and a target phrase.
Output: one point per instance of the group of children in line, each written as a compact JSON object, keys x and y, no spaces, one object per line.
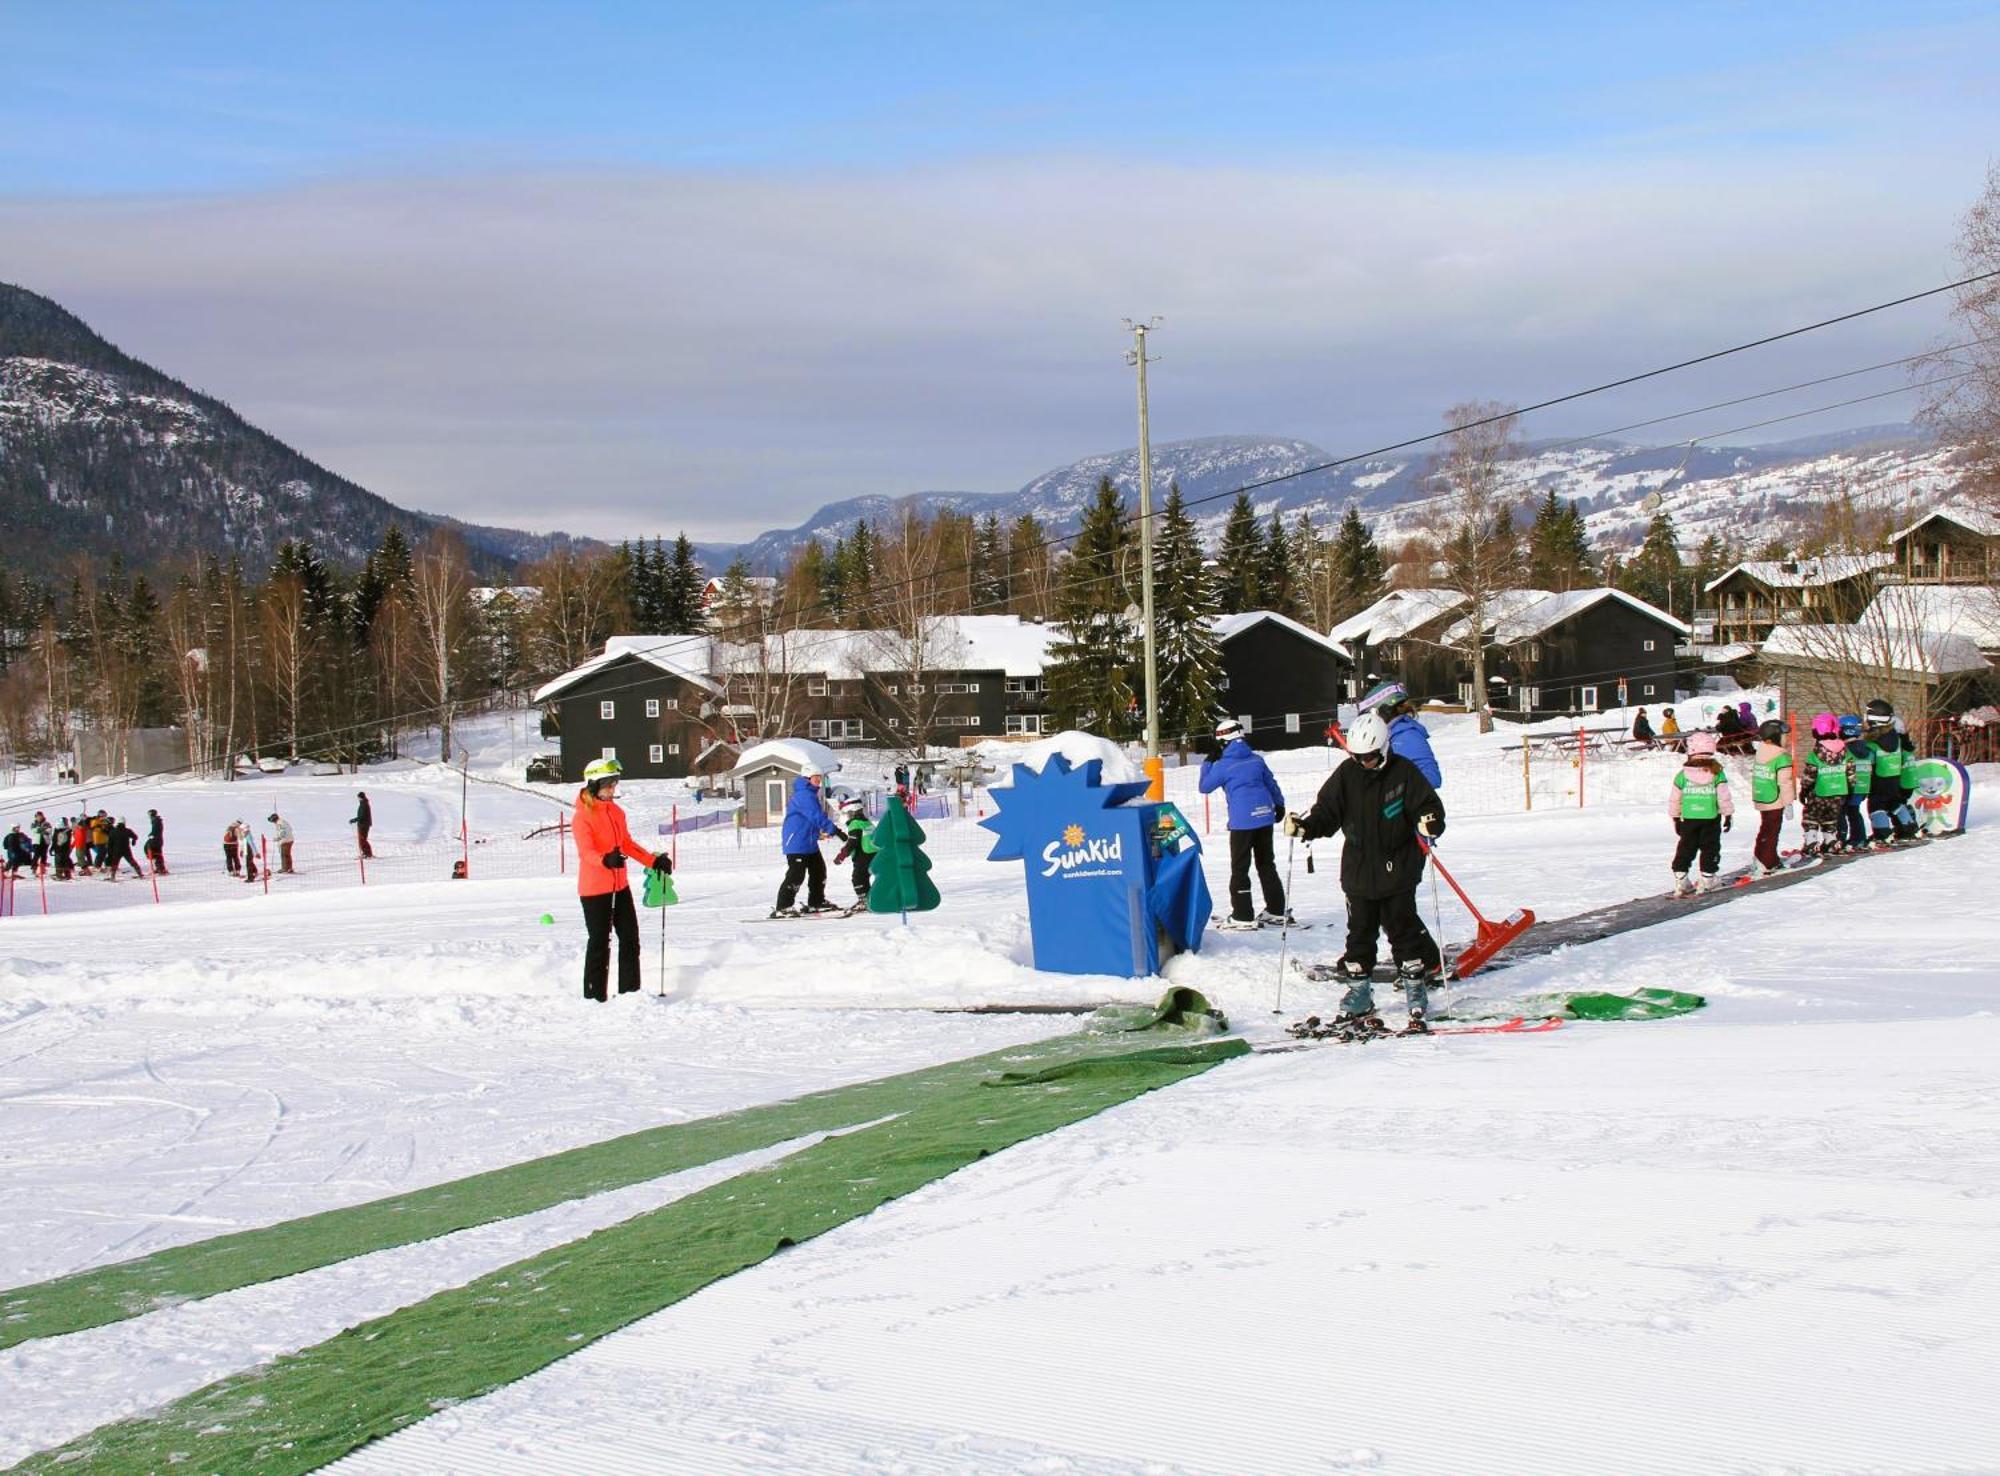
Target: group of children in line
{"x":1851,"y":789}
{"x":83,"y":845}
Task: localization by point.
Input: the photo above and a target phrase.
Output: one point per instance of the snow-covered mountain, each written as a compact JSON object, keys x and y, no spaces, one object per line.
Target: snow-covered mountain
{"x":1744,"y":493}
{"x":102,"y":454}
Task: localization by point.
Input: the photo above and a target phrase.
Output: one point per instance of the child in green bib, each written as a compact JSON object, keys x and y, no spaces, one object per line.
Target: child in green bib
{"x":1702,"y":810}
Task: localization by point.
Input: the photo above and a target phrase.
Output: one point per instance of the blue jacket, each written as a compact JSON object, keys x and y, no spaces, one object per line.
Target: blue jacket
{"x":805,"y":819}
{"x":1254,"y":797}
{"x":1407,"y":737}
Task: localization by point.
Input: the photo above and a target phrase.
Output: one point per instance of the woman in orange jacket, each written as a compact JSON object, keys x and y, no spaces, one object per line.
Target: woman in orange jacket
{"x":603,"y":846}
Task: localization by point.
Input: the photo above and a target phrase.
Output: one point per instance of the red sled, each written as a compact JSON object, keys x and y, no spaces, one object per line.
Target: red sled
{"x":1491,"y":937}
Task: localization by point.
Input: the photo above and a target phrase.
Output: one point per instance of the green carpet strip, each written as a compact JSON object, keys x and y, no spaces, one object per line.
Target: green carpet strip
{"x":313,"y":1407}
{"x":205,"y":1268}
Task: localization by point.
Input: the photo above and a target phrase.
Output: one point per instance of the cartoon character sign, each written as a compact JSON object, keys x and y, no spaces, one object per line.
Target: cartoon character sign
{"x":1941,"y":795}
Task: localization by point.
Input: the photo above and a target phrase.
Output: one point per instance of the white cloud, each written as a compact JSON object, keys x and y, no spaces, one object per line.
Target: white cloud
{"x":626,"y":352}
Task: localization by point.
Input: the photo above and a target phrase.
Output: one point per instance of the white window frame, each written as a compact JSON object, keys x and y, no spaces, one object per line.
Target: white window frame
{"x":1291,"y":722}
{"x":673,"y":750}
{"x":916,"y":689}
{"x":1587,"y":696}
{"x":1651,"y":646}
{"x":1248,"y":720}
{"x":816,"y":728}
{"x":1465,"y":694}
{"x":1024,"y":724}
{"x":815,"y":686}
{"x":652,"y":707}
{"x":889,"y":688}
{"x":607,"y":710}
{"x":656,"y":754}
{"x":1527,"y":699}
{"x":609,"y":752}
{"x":1025,"y":686}
{"x":1647,"y":689}
{"x":671,"y":704}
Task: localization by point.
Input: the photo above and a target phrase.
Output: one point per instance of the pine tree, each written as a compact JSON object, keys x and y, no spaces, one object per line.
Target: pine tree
{"x":1090,"y":660}
{"x":989,"y":568}
{"x":1558,"y":555}
{"x":1240,"y":563}
{"x":1279,"y":582}
{"x":1654,"y":572}
{"x":858,"y":577}
{"x":1357,"y":567}
{"x":685,"y":581}
{"x":1189,"y":662}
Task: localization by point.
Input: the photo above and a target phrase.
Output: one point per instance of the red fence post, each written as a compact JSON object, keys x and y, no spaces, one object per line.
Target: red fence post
{"x":153,"y":876}
{"x":465,"y":849}
{"x":562,"y":845}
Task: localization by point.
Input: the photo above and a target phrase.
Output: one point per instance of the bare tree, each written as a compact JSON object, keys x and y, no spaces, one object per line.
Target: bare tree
{"x":582,"y":602}
{"x":441,"y":623}
{"x":1915,"y":645}
{"x":1470,"y":518}
{"x":288,"y":648}
{"x":1962,"y":401}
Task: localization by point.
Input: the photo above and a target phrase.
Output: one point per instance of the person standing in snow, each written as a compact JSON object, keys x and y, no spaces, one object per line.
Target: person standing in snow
{"x":100,"y":838}
{"x":39,"y":830}
{"x":79,"y":840}
{"x":1890,"y":815}
{"x":20,"y":851}
{"x":363,"y":821}
{"x":1407,"y":737}
{"x":860,"y":844}
{"x":1774,"y":788}
{"x":1385,"y":808}
{"x":805,"y":823}
{"x":156,"y":842}
{"x":1861,"y":777}
{"x":603,"y":846}
{"x":1824,"y":785}
{"x":1255,"y":802}
{"x":60,"y":840}
{"x":1702,"y":810}
{"x":248,"y":841}
{"x":286,"y":835}
{"x":232,"y":838}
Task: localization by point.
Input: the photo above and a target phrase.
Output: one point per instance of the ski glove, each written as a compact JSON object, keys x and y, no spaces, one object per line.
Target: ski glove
{"x":1428,"y":826}
{"x":664,"y":864}
{"x":1678,"y":830}
{"x":841,"y":854}
{"x":1295,"y":824}
{"x":614,"y":859}
{"x":1725,"y":821}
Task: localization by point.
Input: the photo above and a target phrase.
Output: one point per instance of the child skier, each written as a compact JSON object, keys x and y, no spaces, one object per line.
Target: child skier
{"x":860,"y":844}
{"x":1824,"y":784}
{"x":1861,"y":776}
{"x":1889,"y":809}
{"x":1774,"y":787}
{"x":1382,"y":803}
{"x":1255,"y":802}
{"x":805,"y":823}
{"x":1702,"y":810}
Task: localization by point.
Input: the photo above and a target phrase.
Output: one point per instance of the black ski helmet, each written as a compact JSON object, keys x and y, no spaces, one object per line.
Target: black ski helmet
{"x":1771,"y":730}
{"x":1879,"y":711}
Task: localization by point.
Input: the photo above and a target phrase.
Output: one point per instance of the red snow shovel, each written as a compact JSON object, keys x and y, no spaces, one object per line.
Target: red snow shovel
{"x":1492,"y":936}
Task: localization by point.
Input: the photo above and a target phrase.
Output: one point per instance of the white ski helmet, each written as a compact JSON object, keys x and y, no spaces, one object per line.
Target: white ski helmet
{"x":1368,"y":735}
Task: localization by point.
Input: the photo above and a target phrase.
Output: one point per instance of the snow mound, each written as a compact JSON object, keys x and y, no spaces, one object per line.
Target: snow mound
{"x":1078,"y":749}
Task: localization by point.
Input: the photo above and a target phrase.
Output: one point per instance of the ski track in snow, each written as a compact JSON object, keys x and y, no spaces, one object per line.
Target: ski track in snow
{"x":1755,"y":1239}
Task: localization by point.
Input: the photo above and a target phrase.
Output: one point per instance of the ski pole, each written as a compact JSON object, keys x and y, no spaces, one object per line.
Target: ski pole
{"x":1285,"y":927}
{"x":663,"y":953}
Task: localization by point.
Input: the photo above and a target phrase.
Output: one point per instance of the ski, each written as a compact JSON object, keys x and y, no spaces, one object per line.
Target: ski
{"x":1324,"y":1035}
{"x":809,"y":916}
{"x":1230,"y":925}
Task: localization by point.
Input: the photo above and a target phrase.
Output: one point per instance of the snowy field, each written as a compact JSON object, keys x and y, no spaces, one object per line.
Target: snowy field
{"x":1758,"y":1239}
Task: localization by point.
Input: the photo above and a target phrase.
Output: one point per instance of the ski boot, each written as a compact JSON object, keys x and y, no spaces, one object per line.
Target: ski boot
{"x":1236,"y":925}
{"x":1414,"y":976}
{"x":1682,"y":886}
{"x":1270,"y":919}
{"x":1706,"y":882}
{"x":816,"y":907}
{"x":1358,"y":1025}
{"x":786,"y":912}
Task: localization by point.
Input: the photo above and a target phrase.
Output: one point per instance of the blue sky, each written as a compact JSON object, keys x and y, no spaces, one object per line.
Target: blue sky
{"x":794,"y":252}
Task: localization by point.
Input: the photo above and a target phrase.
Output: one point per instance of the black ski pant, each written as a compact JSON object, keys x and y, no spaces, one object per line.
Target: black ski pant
{"x":808,"y":867}
{"x":1703,"y":837}
{"x":1246,"y":846}
{"x":1395,"y":915}
{"x":602,"y":913}
{"x":862,"y":861}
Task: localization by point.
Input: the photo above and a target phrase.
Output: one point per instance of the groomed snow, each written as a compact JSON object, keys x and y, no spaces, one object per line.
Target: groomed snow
{"x":1755,"y":1239}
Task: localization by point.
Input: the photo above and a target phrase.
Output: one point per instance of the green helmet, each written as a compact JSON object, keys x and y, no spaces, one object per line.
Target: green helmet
{"x":600,"y":769}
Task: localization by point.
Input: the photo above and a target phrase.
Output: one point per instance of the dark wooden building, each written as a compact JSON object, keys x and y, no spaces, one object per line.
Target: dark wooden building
{"x":1283,"y":681}
{"x":1751,"y":600}
{"x":1958,"y":543}
{"x":1582,"y":651}
{"x":646,"y":701}
{"x":1399,"y":637}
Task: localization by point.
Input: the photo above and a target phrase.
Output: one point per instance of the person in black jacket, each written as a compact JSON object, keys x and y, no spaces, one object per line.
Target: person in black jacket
{"x":1381,"y":803}
{"x":363,"y":822}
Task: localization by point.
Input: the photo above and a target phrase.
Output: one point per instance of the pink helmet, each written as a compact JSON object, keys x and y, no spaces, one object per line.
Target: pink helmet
{"x":1701,"y":745}
{"x":1826,"y":725}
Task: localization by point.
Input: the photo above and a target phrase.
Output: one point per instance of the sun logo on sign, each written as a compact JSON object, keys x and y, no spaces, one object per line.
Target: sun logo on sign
{"x":1072,"y":835}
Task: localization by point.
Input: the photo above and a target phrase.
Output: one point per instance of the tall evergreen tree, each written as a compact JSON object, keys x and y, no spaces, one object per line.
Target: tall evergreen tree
{"x":1279,"y":581}
{"x":1185,"y":651}
{"x":858,"y":579}
{"x":1558,"y":555}
{"x":1240,"y":563}
{"x":1358,"y":571}
{"x":1654,"y":572}
{"x":989,"y":568}
{"x":685,"y":581}
{"x":1090,"y":660}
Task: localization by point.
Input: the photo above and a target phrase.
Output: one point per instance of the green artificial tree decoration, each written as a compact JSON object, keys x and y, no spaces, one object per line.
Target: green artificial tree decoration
{"x":900,"y":878}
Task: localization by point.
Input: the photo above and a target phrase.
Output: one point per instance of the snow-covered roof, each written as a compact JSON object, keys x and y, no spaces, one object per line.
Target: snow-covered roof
{"x":1004,"y":643}
{"x":1395,"y":615}
{"x":1969,"y":516}
{"x":1969,"y":610}
{"x":1228,"y":627}
{"x":1897,"y":650}
{"x":683,"y":656}
{"x":802,"y":754}
{"x":520,"y":594}
{"x":1723,"y":655}
{"x":1804,"y":573}
{"x":1514,"y":615}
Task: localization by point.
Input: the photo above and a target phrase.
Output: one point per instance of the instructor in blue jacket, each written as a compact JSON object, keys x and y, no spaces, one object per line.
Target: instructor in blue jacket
{"x":805,"y":823}
{"x":1406,"y":735}
{"x":1255,"y":803}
